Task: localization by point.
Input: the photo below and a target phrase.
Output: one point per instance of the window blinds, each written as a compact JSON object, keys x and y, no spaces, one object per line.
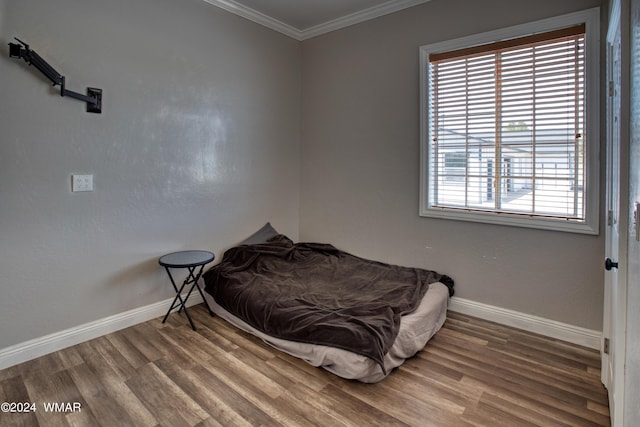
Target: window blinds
{"x":507,"y":126}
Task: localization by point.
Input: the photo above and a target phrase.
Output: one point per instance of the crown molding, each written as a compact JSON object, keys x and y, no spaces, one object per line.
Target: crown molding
{"x":358,"y":17}
{"x":303,"y":34}
{"x":257,"y":17}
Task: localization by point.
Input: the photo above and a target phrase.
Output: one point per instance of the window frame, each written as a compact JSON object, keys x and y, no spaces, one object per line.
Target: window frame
{"x":591,"y":195}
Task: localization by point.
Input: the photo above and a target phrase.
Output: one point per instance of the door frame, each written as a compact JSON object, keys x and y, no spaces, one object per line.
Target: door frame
{"x":615,"y":295}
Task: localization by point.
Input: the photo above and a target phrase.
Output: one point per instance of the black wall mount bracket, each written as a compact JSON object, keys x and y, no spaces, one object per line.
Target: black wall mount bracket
{"x":93,"y":98}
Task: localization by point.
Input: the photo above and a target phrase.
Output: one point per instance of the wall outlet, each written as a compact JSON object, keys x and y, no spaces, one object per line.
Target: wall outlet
{"x":81,"y":183}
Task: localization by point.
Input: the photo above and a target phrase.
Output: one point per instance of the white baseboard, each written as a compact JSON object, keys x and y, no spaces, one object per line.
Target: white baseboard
{"x":59,"y":340}
{"x":539,"y":325}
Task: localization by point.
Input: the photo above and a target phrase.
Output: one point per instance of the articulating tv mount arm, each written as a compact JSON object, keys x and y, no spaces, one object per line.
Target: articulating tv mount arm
{"x":93,"y":98}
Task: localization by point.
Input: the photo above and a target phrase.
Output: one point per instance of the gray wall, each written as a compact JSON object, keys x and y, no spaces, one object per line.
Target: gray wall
{"x":197,"y":146}
{"x":360,"y":166}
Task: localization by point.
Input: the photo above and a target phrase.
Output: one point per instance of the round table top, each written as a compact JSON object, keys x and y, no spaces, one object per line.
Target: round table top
{"x":184,"y":259}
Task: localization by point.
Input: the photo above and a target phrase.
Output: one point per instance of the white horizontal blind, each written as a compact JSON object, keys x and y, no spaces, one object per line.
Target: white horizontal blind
{"x":507,"y":127}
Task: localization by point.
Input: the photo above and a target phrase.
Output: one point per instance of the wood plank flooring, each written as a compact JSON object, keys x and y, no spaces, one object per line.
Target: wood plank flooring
{"x":472,"y":373}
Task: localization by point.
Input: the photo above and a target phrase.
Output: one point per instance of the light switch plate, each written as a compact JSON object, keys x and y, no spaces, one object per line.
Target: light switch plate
{"x":81,"y":183}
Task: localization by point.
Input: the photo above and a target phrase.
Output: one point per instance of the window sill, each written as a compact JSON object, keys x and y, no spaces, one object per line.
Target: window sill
{"x":514,"y":220}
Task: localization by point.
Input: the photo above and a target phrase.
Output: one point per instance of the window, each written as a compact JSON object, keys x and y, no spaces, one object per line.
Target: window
{"x":510,"y":126}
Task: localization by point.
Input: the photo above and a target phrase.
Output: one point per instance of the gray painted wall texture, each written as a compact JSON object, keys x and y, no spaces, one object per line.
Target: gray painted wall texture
{"x":360,"y":166}
{"x":197,"y":147}
{"x":213,"y":125}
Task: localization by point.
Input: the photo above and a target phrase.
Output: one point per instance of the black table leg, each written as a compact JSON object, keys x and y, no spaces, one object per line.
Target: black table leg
{"x":190,"y":260}
{"x":195,"y":282}
{"x":180,"y":302}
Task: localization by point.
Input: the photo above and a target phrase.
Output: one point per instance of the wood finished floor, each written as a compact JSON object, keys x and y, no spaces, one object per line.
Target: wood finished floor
{"x":472,"y":373}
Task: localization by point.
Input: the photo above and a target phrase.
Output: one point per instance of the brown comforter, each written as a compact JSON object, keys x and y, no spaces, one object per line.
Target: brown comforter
{"x":315,"y":293}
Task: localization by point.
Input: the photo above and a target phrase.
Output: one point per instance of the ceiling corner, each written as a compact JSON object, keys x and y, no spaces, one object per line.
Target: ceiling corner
{"x":257,"y":17}
{"x":363,"y":15}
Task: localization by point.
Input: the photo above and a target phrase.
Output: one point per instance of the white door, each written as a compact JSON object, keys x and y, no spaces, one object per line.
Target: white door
{"x":614,"y":323}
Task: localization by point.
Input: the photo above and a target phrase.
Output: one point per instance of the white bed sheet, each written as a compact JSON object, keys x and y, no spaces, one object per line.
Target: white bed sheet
{"x":416,"y":329}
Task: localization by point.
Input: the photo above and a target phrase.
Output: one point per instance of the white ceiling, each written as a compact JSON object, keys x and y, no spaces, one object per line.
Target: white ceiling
{"x":302,"y":19}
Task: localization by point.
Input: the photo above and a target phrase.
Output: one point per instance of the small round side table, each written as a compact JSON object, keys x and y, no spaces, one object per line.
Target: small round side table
{"x":194,"y":262}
